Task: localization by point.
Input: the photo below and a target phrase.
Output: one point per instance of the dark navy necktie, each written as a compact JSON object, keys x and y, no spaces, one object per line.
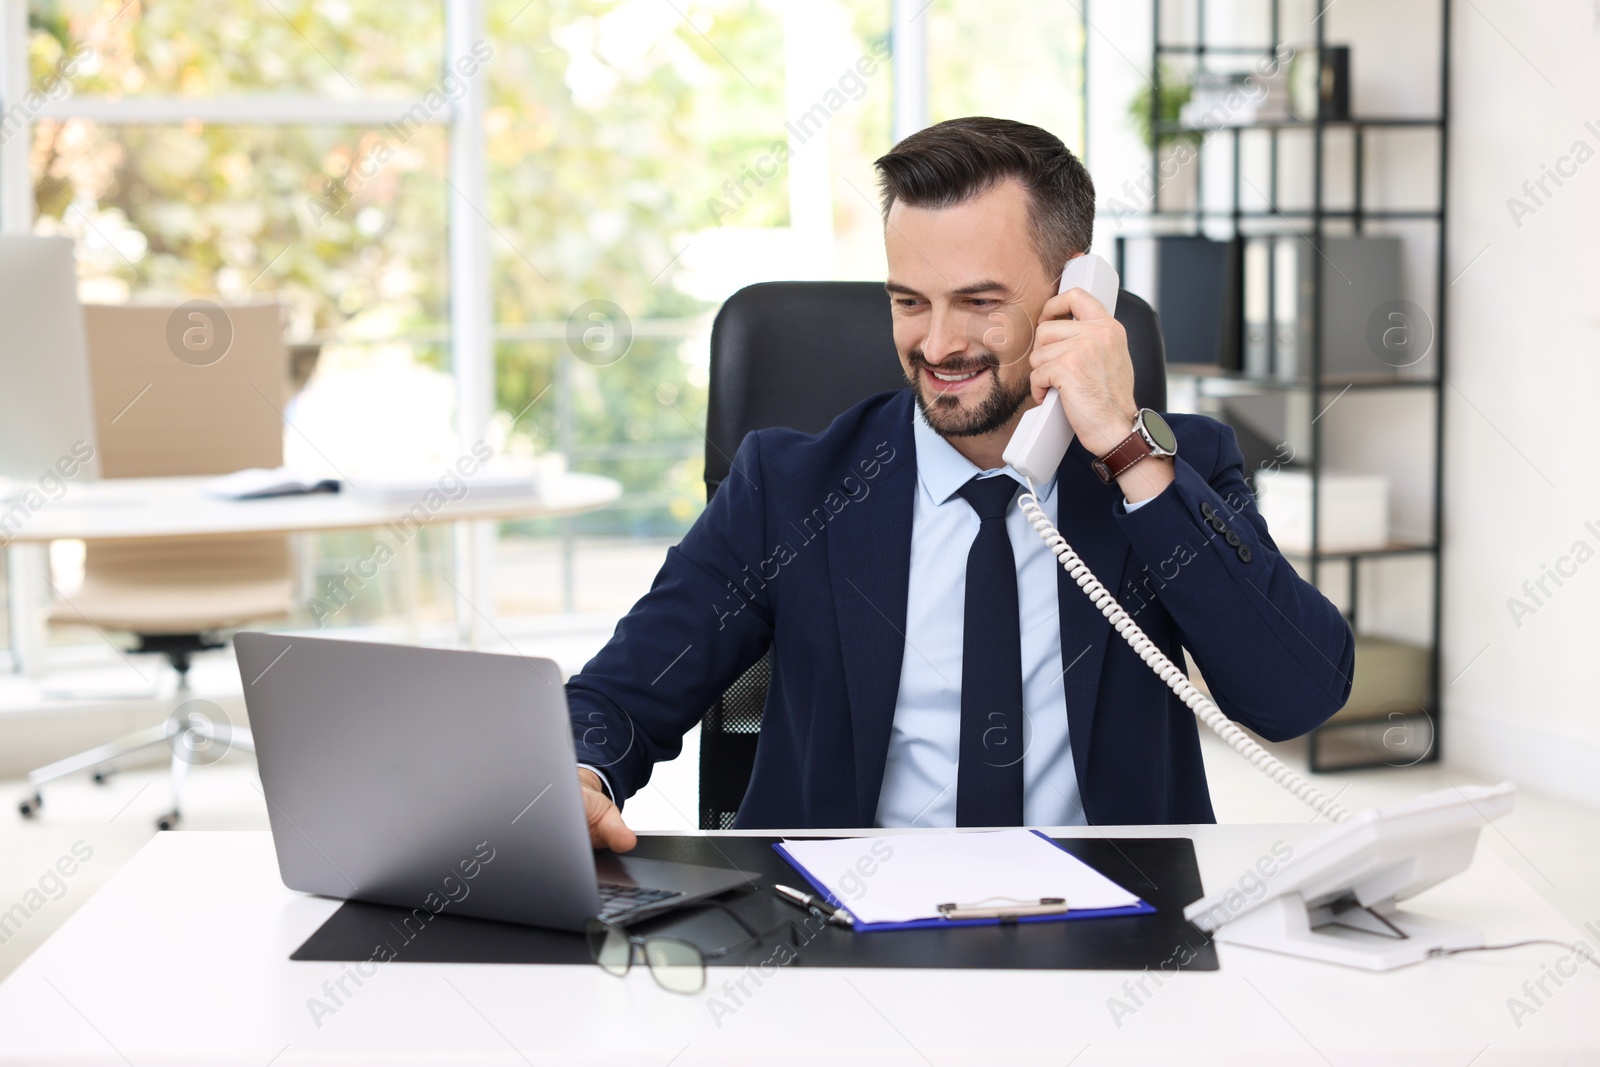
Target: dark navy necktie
{"x":989,"y":775}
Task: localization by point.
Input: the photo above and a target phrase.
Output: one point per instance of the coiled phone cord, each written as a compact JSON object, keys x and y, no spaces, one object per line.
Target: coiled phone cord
{"x":1197,"y":702}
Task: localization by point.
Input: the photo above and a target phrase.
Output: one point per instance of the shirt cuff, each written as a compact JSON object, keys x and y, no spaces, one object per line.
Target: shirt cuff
{"x":1131,"y":508}
{"x":605,"y":783}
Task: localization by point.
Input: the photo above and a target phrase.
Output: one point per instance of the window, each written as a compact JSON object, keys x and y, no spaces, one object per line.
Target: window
{"x":641,"y":160}
{"x":1015,"y":59}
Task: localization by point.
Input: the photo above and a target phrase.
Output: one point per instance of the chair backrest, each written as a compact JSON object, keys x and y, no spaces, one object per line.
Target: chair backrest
{"x":191,"y":390}
{"x":768,"y":343}
{"x":796,"y":354}
{"x":160,"y":413}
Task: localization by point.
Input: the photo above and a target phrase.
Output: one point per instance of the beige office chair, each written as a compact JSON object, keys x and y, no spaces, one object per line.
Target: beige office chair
{"x":161,"y":414}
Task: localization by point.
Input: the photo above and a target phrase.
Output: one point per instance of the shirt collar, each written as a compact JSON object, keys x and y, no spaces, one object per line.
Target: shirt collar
{"x":942,"y":470}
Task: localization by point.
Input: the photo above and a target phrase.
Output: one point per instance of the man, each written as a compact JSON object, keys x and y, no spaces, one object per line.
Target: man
{"x":932,"y":663}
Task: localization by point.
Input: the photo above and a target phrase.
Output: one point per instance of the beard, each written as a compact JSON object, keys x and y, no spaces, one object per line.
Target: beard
{"x":946,"y":414}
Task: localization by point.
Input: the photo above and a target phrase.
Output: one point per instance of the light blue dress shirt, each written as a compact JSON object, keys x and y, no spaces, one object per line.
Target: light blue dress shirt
{"x":919,"y":780}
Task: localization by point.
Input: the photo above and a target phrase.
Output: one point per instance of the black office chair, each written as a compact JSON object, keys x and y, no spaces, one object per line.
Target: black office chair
{"x":767,"y":345}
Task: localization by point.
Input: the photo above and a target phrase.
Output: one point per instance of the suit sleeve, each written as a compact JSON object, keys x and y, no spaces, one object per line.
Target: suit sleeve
{"x":1275,"y":652}
{"x":705,"y":620}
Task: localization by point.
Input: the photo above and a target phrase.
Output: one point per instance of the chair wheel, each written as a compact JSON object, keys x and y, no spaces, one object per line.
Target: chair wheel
{"x":169,"y":821}
{"x":102,"y":775}
{"x":29,"y":806}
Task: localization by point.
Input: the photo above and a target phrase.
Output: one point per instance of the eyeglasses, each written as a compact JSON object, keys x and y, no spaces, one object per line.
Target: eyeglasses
{"x":677,"y":965}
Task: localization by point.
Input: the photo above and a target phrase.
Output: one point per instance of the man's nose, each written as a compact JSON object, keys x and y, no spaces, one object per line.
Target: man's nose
{"x":947,"y":336}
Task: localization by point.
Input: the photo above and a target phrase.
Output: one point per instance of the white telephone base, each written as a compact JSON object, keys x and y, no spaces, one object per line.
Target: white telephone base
{"x":1381,"y":856}
{"x":1353,"y":938}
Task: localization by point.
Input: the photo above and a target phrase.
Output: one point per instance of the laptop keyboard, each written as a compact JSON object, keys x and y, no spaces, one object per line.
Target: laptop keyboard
{"x":617,"y":900}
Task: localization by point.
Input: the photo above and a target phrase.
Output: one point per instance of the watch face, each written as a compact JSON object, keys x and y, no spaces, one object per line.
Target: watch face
{"x":1159,"y":432}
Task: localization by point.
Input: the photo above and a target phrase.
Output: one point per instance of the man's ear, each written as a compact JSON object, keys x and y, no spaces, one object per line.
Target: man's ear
{"x":1051,"y":278}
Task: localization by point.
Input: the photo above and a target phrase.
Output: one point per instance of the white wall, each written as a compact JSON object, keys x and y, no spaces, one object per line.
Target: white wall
{"x":1523,"y":327}
{"x":1524,"y":324}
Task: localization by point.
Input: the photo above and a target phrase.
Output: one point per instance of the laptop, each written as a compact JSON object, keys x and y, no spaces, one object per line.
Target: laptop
{"x":438,"y":779}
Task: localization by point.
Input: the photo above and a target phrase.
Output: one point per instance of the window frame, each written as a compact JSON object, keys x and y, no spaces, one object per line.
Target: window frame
{"x":472,"y":332}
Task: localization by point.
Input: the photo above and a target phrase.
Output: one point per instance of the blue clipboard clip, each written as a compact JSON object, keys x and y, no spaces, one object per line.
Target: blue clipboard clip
{"x":1005,"y":909}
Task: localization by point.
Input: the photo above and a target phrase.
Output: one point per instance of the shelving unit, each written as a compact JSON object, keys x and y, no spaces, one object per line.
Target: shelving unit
{"x":1416,"y":728}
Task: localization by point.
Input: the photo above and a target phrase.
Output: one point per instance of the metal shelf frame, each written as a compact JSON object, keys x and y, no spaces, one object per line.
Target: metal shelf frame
{"x":1314,"y":219}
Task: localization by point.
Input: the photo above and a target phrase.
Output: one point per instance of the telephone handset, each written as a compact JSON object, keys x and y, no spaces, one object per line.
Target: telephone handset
{"x":1035,"y":451}
{"x":1042,"y":437}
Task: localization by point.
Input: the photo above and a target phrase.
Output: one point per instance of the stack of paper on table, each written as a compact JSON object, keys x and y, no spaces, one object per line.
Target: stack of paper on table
{"x":903,"y":878}
{"x":500,"y":480}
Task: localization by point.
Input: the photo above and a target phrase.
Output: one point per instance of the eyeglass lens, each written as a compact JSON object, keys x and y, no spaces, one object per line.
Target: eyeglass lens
{"x":676,"y":965}
{"x":609,"y":946}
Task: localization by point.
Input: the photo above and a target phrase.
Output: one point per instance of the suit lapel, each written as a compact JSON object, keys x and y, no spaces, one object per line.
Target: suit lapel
{"x":869,"y":557}
{"x":1085,"y":516}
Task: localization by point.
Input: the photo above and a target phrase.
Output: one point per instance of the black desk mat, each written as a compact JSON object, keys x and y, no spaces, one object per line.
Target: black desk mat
{"x":1161,"y":870}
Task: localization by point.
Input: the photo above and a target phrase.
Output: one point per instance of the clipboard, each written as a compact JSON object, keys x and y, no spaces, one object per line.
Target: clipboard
{"x":1141,"y":907}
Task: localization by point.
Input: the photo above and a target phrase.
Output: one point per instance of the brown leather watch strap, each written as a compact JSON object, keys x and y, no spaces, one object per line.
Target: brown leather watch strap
{"x":1130,"y":450}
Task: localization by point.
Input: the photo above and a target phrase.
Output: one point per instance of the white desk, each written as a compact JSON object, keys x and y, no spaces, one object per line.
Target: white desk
{"x":176,"y":507}
{"x":183,"y":957}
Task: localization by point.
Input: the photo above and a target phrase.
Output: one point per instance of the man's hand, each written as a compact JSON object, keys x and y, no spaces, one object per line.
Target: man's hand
{"x":606,"y":828}
{"x":1085,"y":359}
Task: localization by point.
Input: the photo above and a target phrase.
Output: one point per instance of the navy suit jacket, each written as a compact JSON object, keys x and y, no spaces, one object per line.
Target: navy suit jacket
{"x":806,"y":548}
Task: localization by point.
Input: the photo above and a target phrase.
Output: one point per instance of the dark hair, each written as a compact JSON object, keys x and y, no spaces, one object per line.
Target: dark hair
{"x":956,"y":160}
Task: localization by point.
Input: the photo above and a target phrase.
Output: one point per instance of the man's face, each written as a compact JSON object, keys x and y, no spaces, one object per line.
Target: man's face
{"x":967,"y":288}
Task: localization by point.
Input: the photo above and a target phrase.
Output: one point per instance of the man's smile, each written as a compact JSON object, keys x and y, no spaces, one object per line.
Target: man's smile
{"x":947,"y":382}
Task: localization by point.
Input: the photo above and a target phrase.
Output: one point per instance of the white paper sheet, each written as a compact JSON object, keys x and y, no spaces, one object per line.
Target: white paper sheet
{"x":904,"y":877}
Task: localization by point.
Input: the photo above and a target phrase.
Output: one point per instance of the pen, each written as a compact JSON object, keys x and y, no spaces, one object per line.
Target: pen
{"x":816,"y":904}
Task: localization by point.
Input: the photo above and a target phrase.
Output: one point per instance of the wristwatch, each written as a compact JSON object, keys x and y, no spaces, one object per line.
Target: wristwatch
{"x":1151,"y":436}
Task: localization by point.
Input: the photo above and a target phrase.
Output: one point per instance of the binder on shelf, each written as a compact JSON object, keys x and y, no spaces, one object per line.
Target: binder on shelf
{"x":1361,"y":277}
{"x":1194,"y":284}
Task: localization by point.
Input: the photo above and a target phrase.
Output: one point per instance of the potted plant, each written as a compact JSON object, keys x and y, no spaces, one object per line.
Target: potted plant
{"x":1176,"y":177}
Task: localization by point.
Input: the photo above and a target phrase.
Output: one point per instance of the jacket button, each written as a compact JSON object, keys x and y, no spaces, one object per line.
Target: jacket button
{"x":1244,"y":553}
{"x":1218,"y":525}
{"x":1206,"y":511}
{"x":1234,"y":539}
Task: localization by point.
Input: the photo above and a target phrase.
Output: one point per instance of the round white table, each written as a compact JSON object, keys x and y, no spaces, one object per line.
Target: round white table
{"x":179,"y":507}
